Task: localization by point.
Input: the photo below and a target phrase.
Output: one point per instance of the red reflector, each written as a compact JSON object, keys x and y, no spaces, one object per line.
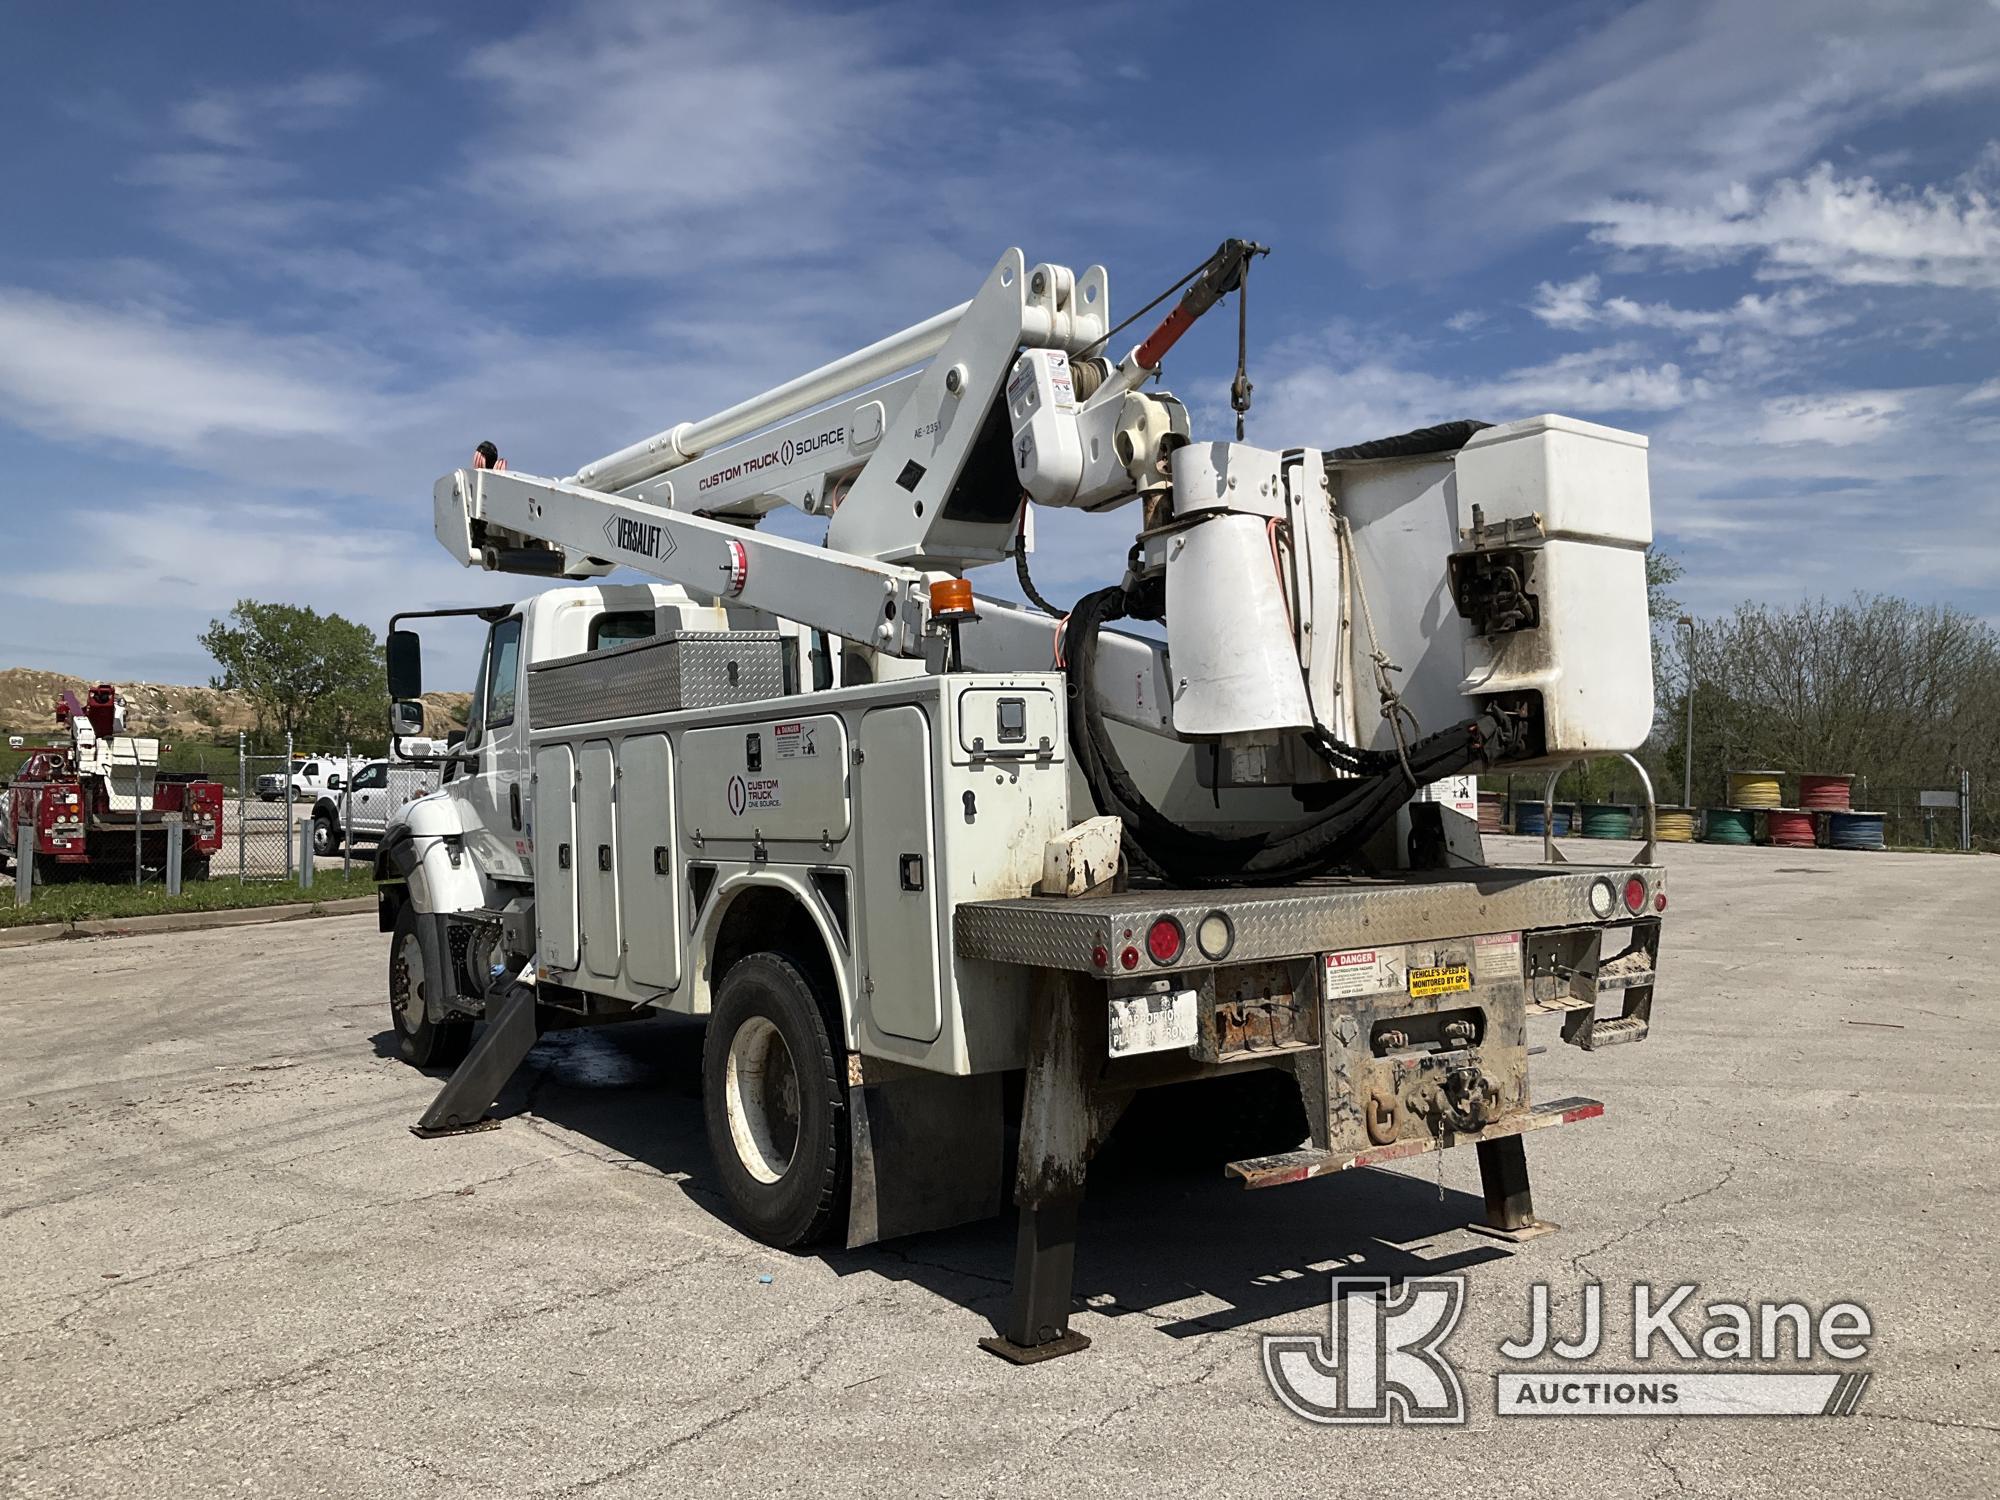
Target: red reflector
{"x":1129,"y":958}
{"x":1635,"y":894}
{"x":1099,"y":957}
{"x":1660,"y":902}
{"x":1164,"y":939}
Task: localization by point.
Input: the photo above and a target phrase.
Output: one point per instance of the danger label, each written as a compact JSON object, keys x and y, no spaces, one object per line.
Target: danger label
{"x":1498,"y":955}
{"x":795,"y":741}
{"x":1363,"y":971}
{"x":1447,"y":979}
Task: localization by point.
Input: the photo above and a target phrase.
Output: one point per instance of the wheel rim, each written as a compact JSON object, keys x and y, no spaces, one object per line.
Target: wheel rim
{"x":322,"y":838}
{"x":406,"y":985}
{"x":761,"y":1096}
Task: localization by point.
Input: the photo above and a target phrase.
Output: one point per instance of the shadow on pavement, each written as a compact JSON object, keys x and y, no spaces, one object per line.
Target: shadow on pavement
{"x":1155,"y":1233}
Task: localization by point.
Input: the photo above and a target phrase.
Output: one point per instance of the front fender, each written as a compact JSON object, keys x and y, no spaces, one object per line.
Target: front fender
{"x":423,"y":850}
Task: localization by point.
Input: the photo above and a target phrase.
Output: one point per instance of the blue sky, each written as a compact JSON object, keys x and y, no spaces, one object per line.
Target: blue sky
{"x":268,"y":270}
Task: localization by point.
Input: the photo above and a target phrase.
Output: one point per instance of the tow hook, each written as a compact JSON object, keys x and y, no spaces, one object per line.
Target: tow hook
{"x":1467,"y":1101}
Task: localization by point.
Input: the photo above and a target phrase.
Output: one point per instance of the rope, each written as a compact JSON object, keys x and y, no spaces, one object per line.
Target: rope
{"x":1098,"y":348}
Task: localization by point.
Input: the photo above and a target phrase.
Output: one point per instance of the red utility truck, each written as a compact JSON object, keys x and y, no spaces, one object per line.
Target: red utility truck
{"x":83,"y":798}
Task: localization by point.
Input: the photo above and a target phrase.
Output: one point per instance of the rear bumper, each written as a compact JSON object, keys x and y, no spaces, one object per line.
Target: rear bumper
{"x":1298,"y":1166}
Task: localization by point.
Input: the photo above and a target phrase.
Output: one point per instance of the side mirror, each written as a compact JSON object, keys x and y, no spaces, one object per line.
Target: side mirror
{"x":406,"y":717}
{"x":334,"y":783}
{"x":405,"y":656}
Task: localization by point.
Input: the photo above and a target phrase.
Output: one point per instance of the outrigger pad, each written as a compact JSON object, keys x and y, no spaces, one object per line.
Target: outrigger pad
{"x":1071,"y":1342}
{"x":507,"y":1037}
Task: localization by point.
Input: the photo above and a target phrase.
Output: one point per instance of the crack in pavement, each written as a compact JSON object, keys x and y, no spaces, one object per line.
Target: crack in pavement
{"x":1659,"y":1216}
{"x":258,"y":1239}
{"x":642,"y":1461}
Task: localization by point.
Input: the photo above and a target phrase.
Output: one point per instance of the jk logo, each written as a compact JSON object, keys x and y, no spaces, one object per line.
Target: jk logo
{"x":1382,"y":1359}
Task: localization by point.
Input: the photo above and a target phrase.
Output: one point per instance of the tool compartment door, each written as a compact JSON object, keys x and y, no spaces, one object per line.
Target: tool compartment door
{"x":597,"y":858}
{"x":899,"y":922}
{"x":648,"y":893}
{"x":555,"y":856}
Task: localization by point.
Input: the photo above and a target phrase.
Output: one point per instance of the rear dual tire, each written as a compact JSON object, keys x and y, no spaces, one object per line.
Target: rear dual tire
{"x":774,"y":1098}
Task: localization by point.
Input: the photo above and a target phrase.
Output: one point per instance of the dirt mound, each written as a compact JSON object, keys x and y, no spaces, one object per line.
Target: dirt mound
{"x":165,"y":710}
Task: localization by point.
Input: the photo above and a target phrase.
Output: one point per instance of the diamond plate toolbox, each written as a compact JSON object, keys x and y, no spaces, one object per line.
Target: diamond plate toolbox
{"x":663,"y":675}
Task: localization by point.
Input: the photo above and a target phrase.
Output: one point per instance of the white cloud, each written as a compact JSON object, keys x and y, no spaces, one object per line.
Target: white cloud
{"x":1847,"y":231}
{"x":1578,"y":304}
{"x":1986,"y":393}
{"x":90,"y":372}
{"x":1840,"y":419}
{"x":679,"y":123}
{"x":238,"y":119}
{"x":1682,"y":98}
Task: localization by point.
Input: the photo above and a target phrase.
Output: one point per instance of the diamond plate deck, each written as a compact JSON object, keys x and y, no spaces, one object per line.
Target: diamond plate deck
{"x":1326,"y":916}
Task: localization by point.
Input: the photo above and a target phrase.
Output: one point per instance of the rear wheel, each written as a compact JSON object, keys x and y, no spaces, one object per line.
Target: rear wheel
{"x":775,"y":1103}
{"x":421,"y":1042}
{"x":194,"y":867}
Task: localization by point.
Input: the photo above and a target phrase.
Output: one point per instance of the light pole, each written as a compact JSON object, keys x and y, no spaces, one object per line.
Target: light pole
{"x":1687,"y":781}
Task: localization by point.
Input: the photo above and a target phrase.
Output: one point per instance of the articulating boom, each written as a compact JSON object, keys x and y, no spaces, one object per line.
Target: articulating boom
{"x":1347,"y":625}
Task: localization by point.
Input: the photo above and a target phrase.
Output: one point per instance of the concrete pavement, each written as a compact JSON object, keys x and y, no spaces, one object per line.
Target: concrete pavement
{"x":231,"y":1269}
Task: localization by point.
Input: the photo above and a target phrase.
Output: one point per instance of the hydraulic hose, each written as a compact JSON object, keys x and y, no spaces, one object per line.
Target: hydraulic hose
{"x":1160,"y":847}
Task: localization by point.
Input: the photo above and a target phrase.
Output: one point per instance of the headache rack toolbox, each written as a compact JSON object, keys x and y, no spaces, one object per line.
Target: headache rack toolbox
{"x":664,"y":674}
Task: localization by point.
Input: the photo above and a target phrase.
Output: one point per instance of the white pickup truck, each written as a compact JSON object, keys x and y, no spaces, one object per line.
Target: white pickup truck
{"x":358,"y":812}
{"x":310,"y":779}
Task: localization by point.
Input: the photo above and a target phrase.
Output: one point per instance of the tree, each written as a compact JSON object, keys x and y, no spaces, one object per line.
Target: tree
{"x":1903,"y":695}
{"x":305,"y":674}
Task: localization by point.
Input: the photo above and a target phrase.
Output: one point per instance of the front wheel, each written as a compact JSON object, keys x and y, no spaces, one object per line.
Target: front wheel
{"x":326,"y":834}
{"x":775,"y":1103}
{"x":421,"y":1042}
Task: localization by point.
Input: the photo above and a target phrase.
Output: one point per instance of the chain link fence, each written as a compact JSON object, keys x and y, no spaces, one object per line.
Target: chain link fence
{"x":1938,"y":817}
{"x":233,"y":815}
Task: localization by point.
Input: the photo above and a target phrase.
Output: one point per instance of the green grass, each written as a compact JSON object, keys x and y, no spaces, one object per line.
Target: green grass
{"x":77,"y":901}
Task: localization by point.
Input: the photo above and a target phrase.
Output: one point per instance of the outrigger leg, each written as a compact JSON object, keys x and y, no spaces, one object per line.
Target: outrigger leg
{"x":1058,"y":1126}
{"x":507,"y":1037}
{"x":1503,"y":1178}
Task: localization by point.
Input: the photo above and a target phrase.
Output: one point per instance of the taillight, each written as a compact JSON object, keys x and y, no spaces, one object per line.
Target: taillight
{"x":1164,"y":939}
{"x":1129,"y":958}
{"x":1635,"y":894}
{"x":1660,"y":902}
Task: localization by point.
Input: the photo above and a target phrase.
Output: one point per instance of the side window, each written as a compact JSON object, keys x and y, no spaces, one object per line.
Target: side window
{"x":618,"y":626}
{"x":504,"y":674}
{"x":370,"y":777}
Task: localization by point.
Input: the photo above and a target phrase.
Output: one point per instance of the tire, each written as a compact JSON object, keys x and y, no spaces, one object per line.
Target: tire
{"x":420,"y":1041}
{"x":774,"y":1099}
{"x":326,"y":833}
{"x":195,"y":868}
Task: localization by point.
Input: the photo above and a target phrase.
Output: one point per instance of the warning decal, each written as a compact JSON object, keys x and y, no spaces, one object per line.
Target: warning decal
{"x":1447,"y":979}
{"x":794,"y":741}
{"x":1364,"y":971}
